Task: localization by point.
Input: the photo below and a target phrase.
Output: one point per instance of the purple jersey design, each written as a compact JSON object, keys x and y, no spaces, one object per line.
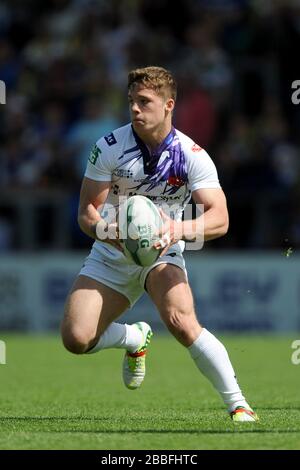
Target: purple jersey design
{"x":172,"y":168}
{"x":167,"y":175}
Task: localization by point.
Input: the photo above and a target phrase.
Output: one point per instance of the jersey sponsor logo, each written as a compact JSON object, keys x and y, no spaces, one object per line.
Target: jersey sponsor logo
{"x":196,"y":148}
{"x":95,"y":152}
{"x":171,"y":254}
{"x":156,"y":199}
{"x":110,"y":139}
{"x":174,"y":181}
{"x":122,"y":173}
{"x":115,"y":189}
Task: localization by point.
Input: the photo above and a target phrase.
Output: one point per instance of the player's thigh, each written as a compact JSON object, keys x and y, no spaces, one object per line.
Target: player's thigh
{"x":90,"y":308}
{"x":169,"y":289}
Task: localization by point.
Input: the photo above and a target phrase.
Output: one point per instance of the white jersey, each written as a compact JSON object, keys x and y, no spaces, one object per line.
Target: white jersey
{"x":168,"y":175}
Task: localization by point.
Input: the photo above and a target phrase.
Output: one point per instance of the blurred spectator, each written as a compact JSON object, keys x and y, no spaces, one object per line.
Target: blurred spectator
{"x":95,"y":122}
{"x":9,"y":64}
{"x":6,"y":235}
{"x":195,"y":114}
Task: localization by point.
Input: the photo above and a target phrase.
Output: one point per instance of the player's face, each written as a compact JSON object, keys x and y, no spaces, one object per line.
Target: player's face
{"x":148,"y":110}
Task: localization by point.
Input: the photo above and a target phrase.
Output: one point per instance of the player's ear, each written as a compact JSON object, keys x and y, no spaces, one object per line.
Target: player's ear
{"x":170,"y":103}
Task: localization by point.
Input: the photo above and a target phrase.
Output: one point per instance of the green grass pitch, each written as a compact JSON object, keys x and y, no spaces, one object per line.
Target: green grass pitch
{"x":51,"y":399}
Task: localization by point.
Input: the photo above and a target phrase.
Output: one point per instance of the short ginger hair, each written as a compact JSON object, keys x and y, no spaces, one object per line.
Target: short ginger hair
{"x":157,"y":78}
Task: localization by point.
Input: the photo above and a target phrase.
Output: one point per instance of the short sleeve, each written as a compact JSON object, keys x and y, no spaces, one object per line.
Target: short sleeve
{"x":99,"y":164}
{"x":202,"y":172}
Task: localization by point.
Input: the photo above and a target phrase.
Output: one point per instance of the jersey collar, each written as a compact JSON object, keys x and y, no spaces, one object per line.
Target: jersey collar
{"x":150,"y":159}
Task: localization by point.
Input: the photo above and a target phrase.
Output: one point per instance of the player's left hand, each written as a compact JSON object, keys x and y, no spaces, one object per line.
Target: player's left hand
{"x":169,"y":234}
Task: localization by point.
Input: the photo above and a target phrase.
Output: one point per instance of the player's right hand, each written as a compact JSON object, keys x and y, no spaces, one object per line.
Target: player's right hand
{"x":113,"y":236}
{"x":110,"y":235}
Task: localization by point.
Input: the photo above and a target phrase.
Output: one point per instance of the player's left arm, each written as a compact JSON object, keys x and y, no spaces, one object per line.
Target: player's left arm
{"x":214,"y":219}
{"x":206,"y":191}
{"x":212,"y":223}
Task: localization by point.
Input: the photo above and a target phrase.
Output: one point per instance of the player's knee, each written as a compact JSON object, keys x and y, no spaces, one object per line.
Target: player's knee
{"x":176,"y":320}
{"x":75,"y":341}
{"x":181,"y":324}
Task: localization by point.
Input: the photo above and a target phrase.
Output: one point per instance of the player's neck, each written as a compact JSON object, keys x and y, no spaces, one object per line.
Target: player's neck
{"x":156,"y":137}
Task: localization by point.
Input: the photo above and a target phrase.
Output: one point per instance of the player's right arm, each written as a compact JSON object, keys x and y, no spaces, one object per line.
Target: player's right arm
{"x":93,"y":195}
{"x":95,"y":187}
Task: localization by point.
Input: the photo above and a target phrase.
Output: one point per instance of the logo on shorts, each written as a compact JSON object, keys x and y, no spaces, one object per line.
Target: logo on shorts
{"x":110,"y":139}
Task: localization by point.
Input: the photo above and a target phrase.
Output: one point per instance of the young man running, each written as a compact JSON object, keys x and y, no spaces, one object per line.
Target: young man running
{"x":148,"y":157}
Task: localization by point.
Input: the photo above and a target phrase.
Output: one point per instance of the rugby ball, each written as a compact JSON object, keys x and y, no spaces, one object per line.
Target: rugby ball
{"x":139,"y":220}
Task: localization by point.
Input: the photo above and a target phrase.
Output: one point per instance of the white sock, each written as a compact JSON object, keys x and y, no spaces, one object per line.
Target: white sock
{"x":120,"y":336}
{"x":213,"y":361}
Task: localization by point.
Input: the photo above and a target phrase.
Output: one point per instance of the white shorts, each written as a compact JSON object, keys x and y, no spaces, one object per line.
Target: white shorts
{"x":109,"y":266}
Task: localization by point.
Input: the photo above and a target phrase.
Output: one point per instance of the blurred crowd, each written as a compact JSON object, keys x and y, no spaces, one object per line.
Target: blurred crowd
{"x":65,"y":65}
